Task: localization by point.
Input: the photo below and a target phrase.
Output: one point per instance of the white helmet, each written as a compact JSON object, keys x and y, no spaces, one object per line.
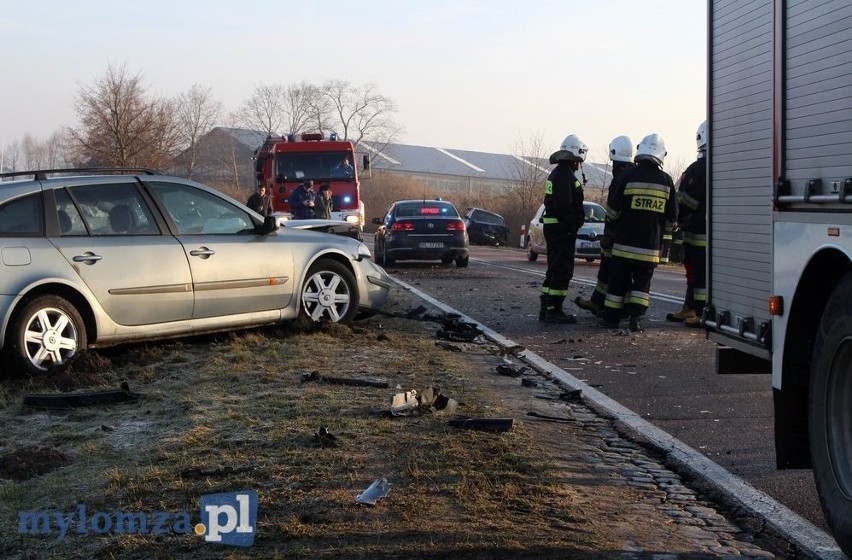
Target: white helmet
{"x":572,"y":149}
{"x":652,"y":148}
{"x":621,"y":149}
{"x":701,"y":136}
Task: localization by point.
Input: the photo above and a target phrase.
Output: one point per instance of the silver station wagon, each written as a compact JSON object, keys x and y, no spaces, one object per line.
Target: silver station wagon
{"x":103,"y":257}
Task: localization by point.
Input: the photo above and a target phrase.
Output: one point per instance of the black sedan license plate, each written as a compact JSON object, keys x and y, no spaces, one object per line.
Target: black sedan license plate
{"x":432,"y":245}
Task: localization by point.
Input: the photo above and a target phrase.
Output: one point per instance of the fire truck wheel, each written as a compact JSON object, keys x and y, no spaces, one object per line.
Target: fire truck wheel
{"x":330,"y":293}
{"x":830,"y":421}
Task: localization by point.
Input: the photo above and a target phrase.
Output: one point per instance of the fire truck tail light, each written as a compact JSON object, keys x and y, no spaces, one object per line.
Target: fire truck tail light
{"x":403,"y":226}
{"x":455,"y":226}
{"x":776,"y":305}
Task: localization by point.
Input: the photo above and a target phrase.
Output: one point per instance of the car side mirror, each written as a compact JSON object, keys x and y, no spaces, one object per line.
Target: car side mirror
{"x":270,"y":225}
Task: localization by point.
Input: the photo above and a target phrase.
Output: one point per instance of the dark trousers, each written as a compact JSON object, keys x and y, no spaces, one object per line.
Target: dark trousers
{"x":601,"y":288}
{"x":695,"y":261}
{"x":628,"y":290}
{"x":561,"y":246}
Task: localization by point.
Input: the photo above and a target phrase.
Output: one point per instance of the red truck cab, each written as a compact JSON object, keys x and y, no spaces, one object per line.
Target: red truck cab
{"x":283,"y":163}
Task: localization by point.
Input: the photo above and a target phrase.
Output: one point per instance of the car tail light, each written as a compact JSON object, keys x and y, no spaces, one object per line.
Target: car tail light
{"x":403,"y":226}
{"x":456,"y":225}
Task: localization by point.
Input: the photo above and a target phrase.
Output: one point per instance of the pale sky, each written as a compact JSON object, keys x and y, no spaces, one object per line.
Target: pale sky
{"x":465,"y":74}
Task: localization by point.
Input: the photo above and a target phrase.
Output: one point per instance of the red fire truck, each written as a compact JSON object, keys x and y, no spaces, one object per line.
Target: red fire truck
{"x":283,"y":163}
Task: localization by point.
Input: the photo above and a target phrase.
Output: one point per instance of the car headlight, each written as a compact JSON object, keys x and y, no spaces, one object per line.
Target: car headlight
{"x":364,"y":252}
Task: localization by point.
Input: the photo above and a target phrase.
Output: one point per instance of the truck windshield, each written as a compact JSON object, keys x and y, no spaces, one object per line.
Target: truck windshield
{"x":322,"y":166}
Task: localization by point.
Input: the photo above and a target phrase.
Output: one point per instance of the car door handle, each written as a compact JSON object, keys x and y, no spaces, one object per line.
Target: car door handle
{"x":88,"y":257}
{"x":203,"y":252}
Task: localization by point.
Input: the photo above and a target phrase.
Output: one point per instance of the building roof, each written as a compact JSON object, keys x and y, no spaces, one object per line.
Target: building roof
{"x":407,"y":158}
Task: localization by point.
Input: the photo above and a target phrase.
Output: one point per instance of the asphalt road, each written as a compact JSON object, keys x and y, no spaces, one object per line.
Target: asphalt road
{"x":666,"y":374}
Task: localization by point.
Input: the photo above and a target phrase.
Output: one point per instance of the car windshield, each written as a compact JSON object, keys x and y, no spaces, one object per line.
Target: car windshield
{"x":318,"y":166}
{"x":426,"y":209}
{"x":595,"y":213}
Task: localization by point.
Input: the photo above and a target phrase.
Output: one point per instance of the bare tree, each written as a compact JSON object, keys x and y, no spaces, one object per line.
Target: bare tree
{"x":33,"y":153}
{"x":197,"y":113}
{"x":10,"y":157}
{"x":361,"y":112}
{"x":264,"y":110}
{"x":300,"y":103}
{"x":528,"y":170}
{"x":120,"y":125}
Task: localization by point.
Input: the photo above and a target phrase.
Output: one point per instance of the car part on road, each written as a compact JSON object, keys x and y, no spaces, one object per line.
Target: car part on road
{"x":73,"y":400}
{"x":484,"y":424}
{"x":324,"y":438}
{"x":315,"y":376}
{"x":380,"y":488}
{"x":511,"y":371}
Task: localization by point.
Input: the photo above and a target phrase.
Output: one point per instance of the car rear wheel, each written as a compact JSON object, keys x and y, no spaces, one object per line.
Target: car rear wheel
{"x":386,"y":260}
{"x":46,"y":334}
{"x":461,"y":262}
{"x":330,"y":293}
{"x":447,"y":259}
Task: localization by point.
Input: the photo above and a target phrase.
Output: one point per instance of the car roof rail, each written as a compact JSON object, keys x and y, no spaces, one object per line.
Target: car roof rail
{"x":41,"y":174}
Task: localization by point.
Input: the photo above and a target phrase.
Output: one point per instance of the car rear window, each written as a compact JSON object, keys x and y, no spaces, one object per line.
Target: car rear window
{"x":426,"y":209}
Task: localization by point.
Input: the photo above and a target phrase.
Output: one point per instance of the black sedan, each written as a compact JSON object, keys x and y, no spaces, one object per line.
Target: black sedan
{"x":486,"y":228}
{"x":421,"y":230}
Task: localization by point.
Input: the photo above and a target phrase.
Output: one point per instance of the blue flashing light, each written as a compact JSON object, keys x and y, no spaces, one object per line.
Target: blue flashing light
{"x":347,"y":199}
{"x":333,"y":136}
{"x":291,"y":137}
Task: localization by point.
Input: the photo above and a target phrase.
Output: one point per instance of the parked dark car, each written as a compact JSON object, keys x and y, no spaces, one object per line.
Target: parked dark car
{"x":485,"y":228}
{"x":421,"y":230}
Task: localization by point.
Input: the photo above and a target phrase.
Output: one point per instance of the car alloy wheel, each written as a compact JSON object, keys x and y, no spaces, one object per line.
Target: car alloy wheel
{"x":330,"y":293}
{"x":47,"y":333}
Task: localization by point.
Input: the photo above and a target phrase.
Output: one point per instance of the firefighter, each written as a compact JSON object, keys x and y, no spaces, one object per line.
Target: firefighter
{"x":692,"y":217}
{"x":641,"y":205}
{"x":562,"y":217}
{"x":621,"y":154}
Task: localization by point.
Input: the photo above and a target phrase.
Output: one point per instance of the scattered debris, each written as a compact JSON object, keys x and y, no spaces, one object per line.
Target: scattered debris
{"x":485,"y":424}
{"x":324,"y":438}
{"x":549,"y":418}
{"x":529,"y":382}
{"x":447,"y":346}
{"x":511,"y":371}
{"x":573,"y":395}
{"x":91,"y":398}
{"x":457,"y":330}
{"x":218,"y":471}
{"x":380,"y":488}
{"x":315,"y":376}
{"x":412,"y":402}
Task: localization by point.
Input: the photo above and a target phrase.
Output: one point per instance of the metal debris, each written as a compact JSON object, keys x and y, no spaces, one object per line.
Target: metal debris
{"x":484,"y":424}
{"x":92,"y":398}
{"x":511,"y":371}
{"x":430,"y":399}
{"x":315,"y":376}
{"x":324,"y":438}
{"x":380,"y":488}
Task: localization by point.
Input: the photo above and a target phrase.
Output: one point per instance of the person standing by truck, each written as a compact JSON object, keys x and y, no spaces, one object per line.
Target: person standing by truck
{"x":692,"y":218}
{"x":302,"y":201}
{"x":260,"y":202}
{"x":563,"y":216}
{"x":621,"y":154}
{"x":641,"y":205}
{"x":323,"y":203}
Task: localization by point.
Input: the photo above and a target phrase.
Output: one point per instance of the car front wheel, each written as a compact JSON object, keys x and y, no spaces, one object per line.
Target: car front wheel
{"x":330,"y":293}
{"x":46,"y":334}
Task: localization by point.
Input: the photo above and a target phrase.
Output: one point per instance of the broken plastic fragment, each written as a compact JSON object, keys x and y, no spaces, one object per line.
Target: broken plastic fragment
{"x":405,"y":403}
{"x":380,"y":488}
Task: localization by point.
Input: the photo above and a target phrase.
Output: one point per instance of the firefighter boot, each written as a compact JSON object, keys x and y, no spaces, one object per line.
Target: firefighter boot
{"x":587,"y":304}
{"x":554,"y":313}
{"x":542,"y":310}
{"x":636,"y":324}
{"x":686,"y":312}
{"x":609,"y":318}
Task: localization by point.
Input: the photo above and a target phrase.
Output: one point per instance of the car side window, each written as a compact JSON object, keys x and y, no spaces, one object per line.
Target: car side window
{"x":116,"y":209}
{"x":22,"y":217}
{"x":195,"y":211}
{"x":68,"y":216}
